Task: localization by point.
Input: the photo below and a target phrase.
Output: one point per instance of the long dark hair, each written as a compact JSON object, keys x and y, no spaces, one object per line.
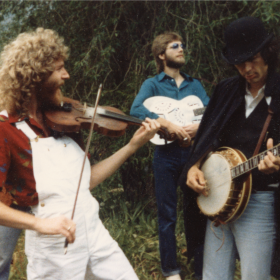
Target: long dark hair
{"x":270,"y":54}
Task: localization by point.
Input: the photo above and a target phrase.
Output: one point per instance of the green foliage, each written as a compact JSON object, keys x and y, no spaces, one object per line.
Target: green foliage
{"x":110,"y":43}
{"x":135,"y":229}
{"x":19,"y":263}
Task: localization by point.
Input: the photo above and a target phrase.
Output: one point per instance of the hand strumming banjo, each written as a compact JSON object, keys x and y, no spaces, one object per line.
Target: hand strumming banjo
{"x":181,"y":112}
{"x":229,"y":183}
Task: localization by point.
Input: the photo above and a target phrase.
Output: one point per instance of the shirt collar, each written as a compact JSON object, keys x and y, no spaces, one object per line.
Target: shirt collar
{"x":15,"y":118}
{"x":163,"y":76}
{"x":260,"y":92}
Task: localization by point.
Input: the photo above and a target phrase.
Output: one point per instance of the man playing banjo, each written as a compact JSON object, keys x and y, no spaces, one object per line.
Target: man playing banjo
{"x":235,"y":118}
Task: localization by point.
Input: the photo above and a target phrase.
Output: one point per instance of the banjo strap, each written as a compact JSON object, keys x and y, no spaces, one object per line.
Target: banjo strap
{"x":265,"y":127}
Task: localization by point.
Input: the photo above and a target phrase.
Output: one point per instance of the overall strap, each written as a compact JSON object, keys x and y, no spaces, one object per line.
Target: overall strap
{"x":25,"y":128}
{"x":265,"y":127}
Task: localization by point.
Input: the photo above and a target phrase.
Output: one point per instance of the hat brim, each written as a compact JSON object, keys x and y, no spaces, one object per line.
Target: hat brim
{"x":237,"y":59}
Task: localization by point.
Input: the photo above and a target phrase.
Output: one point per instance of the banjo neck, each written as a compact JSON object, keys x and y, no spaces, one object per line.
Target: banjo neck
{"x":253,"y":162}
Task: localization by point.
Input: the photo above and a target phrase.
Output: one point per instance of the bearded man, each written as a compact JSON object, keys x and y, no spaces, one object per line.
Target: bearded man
{"x":168,"y":51}
{"x":39,"y":173}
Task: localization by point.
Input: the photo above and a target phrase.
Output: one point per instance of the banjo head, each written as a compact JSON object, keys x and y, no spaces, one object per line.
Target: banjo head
{"x":217,"y":174}
{"x":227,"y":199}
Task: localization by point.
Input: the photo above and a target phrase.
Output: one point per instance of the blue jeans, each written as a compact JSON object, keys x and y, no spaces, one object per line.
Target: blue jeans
{"x":252,"y":237}
{"x":8,"y":240}
{"x":168,"y":163}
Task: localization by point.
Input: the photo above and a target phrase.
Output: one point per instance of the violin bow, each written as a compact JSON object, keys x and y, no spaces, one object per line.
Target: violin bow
{"x":86,"y":152}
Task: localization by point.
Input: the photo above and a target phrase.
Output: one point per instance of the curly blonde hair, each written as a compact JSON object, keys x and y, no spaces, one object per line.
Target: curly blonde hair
{"x":25,"y":63}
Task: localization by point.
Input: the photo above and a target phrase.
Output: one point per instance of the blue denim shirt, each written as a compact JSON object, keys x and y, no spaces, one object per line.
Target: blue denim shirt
{"x":164,"y":85}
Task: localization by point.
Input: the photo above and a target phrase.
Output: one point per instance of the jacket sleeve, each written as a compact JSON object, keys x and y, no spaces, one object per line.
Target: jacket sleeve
{"x":202,"y":144}
{"x":206,"y":121}
{"x":195,"y":222}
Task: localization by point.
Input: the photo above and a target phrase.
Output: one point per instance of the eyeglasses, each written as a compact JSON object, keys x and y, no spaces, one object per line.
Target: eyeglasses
{"x":175,"y":46}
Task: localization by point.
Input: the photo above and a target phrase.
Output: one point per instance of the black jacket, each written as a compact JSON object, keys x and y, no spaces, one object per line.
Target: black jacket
{"x":226,"y":98}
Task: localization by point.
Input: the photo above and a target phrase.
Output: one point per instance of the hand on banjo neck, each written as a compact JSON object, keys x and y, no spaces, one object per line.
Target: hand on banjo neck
{"x":270,"y":163}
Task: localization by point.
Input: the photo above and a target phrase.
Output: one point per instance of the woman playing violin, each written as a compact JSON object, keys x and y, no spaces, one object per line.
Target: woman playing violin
{"x":39,"y":173}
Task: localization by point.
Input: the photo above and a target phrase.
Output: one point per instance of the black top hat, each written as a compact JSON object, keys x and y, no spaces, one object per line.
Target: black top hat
{"x":244,"y":38}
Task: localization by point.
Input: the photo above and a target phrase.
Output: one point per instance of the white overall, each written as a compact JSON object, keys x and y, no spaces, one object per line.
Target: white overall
{"x":94,"y":254}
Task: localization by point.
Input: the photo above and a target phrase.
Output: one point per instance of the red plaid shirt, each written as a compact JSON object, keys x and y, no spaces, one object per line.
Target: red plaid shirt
{"x":16,"y":171}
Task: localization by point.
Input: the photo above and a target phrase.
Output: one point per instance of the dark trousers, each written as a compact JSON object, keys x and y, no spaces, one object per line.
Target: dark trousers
{"x":168,"y":163}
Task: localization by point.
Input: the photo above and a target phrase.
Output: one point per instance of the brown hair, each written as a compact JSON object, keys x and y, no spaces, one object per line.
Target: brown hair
{"x":159,"y":46}
{"x":25,"y":63}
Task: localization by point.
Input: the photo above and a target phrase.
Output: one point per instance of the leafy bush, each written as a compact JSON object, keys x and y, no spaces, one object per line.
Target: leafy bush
{"x":110,"y":43}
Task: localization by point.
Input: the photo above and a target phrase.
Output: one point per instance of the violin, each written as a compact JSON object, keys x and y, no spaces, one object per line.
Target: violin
{"x":72,"y":116}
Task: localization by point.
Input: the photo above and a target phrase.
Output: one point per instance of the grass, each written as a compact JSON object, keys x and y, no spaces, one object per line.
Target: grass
{"x":18,"y":267}
{"x":135,"y":229}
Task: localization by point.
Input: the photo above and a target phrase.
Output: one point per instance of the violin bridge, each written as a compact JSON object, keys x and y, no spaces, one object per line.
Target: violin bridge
{"x":84,"y":108}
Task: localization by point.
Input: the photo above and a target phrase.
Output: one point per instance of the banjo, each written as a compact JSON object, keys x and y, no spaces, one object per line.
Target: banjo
{"x":181,"y":112}
{"x":229,"y":183}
